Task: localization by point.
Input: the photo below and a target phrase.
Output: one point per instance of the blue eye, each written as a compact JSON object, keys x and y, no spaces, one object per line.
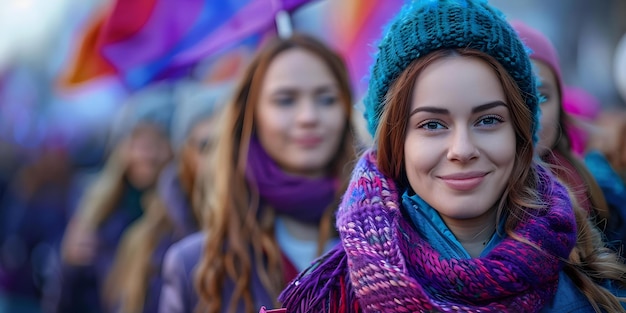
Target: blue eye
{"x":431,"y":125}
{"x":327,"y":99}
{"x":491,"y":120}
{"x":284,"y":101}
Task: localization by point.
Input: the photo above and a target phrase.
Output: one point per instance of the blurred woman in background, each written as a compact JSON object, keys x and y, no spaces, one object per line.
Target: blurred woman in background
{"x":135,"y":282}
{"x":555,"y":144}
{"x":271,"y":192}
{"x":115,"y":199}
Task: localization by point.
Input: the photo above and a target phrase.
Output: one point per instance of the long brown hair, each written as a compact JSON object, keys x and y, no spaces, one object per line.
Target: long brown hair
{"x":590,"y":262}
{"x":231,"y":205}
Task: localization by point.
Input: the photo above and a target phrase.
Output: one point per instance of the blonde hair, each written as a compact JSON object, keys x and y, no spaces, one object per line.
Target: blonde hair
{"x":127,"y":282}
{"x":231,"y":205}
{"x":100,"y":198}
{"x":590,"y":262}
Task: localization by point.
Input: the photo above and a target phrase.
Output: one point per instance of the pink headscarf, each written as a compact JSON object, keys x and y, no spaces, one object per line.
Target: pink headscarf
{"x":576,"y":102}
{"x":541,"y":48}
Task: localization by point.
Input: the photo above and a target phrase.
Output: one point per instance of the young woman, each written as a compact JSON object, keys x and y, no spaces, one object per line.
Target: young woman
{"x":115,"y":199}
{"x":274,"y":183}
{"x":450,"y":211}
{"x":554,"y":146}
{"x":604,"y":202}
{"x":134,"y":285}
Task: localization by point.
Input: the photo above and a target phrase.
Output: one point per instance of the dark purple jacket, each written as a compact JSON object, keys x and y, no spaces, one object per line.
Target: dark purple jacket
{"x":178,"y":294}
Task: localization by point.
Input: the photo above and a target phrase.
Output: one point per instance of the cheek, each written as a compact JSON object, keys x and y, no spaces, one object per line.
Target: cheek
{"x":270,"y":123}
{"x":272,"y":132}
{"x":551,"y":122}
{"x":136,"y":156}
{"x":550,"y":115}
{"x":554,"y":113}
{"x":503,"y":155}
{"x":418,"y":161}
{"x":501,"y":149}
{"x":335,"y":121}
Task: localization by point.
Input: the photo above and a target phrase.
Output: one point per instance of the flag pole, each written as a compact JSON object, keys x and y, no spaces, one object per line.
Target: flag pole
{"x":282,"y":18}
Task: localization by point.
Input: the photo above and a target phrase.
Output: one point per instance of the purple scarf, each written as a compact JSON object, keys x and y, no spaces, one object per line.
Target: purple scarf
{"x":389,"y":268}
{"x":303,"y":199}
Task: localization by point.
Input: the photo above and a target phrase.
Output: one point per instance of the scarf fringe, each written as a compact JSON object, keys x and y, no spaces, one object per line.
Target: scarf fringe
{"x":322,"y":288}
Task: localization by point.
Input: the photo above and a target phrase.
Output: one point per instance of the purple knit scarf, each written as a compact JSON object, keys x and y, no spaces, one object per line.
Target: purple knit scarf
{"x":392,"y":269}
{"x":303,"y":199}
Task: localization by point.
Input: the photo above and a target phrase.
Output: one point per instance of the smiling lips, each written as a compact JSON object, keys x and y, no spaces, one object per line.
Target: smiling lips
{"x":309,"y":141}
{"x":464,"y":181}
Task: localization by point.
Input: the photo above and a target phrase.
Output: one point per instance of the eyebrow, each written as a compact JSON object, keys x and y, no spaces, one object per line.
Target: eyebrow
{"x":480,"y":108}
{"x":294,"y":90}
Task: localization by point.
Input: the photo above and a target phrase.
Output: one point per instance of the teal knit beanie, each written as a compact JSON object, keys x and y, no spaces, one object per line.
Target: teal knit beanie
{"x":428,"y":25}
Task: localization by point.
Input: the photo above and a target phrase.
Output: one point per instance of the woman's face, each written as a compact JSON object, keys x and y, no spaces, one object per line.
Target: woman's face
{"x":199,"y":143}
{"x":148,"y":151}
{"x":549,"y":89}
{"x":459,"y":148}
{"x":300,"y":118}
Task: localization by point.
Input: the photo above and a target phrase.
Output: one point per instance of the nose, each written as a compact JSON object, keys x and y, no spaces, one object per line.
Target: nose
{"x":462,"y":147}
{"x":308,"y":113}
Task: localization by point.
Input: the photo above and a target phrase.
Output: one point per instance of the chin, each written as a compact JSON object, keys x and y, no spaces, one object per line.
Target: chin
{"x":464,"y":211}
{"x":312,"y":169}
{"x":312,"y":164}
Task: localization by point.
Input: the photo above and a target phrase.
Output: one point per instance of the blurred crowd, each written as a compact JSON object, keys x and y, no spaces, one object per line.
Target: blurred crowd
{"x":88,"y":224}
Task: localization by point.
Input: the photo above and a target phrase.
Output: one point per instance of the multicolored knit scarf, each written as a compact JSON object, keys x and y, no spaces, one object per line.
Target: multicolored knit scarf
{"x":392,"y":269}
